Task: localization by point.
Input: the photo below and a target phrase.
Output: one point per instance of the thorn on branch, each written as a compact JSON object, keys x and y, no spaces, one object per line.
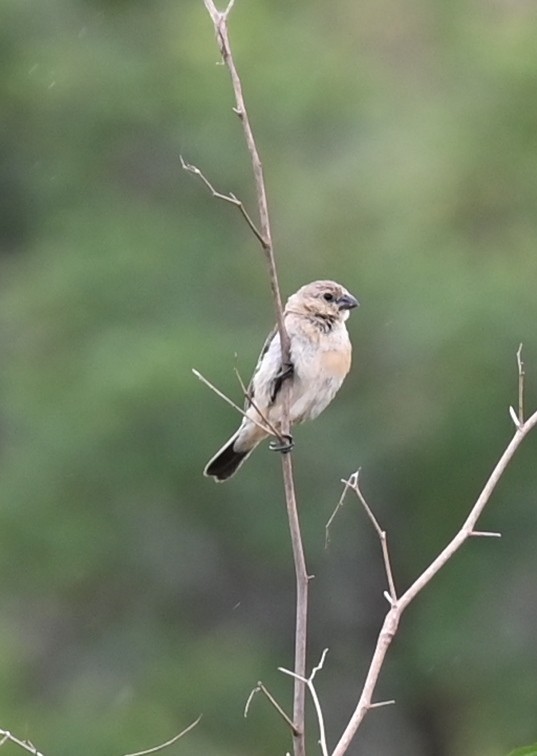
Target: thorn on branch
{"x":485,"y":534}
{"x":515,"y":418}
{"x":381,"y":703}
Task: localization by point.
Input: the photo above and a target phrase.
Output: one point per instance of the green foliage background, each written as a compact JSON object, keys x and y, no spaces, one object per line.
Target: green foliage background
{"x":400,"y":146}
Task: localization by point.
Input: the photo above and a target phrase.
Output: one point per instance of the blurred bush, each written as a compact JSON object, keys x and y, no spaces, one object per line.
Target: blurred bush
{"x":400,"y":146}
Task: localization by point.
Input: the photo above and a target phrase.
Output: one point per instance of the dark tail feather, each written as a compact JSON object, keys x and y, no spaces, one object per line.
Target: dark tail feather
{"x":225,"y":462}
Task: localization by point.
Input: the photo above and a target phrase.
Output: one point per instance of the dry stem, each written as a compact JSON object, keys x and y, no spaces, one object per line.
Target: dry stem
{"x":260,"y":688}
{"x":263,"y":423}
{"x":264,"y":236}
{"x":7,"y":737}
{"x":170,"y":742}
{"x":391,"y":621}
{"x":315,"y":697}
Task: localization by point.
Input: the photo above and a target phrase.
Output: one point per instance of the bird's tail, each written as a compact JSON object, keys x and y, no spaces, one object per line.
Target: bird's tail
{"x":227,"y":460}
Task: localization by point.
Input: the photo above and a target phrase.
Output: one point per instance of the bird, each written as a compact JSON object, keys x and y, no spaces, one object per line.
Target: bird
{"x":320,"y":358}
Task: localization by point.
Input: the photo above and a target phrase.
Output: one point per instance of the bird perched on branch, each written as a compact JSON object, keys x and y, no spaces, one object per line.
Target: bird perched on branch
{"x":320,"y":358}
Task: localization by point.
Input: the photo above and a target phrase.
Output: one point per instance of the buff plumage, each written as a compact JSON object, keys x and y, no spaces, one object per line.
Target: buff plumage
{"x":320,"y":352}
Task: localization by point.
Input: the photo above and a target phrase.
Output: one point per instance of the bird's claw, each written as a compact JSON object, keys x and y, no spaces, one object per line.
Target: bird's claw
{"x":284,"y":444}
{"x":286,"y":371}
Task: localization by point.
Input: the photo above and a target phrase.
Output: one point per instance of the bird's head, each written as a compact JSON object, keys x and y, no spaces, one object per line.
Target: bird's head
{"x":323,"y":299}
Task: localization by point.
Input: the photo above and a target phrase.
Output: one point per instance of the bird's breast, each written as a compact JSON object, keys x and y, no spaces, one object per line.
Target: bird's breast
{"x":335,"y":362}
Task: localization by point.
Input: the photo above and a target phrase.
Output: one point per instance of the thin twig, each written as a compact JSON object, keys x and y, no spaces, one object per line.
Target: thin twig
{"x":7,"y":737}
{"x":231,"y":198}
{"x":348,"y":484}
{"x":220,"y":20}
{"x":378,"y":704}
{"x":391,"y":621}
{"x":521,"y":374}
{"x":514,"y":417}
{"x":266,"y":427}
{"x":250,"y":401}
{"x":318,"y":710}
{"x":260,"y":688}
{"x":170,"y":742}
{"x":355,"y":485}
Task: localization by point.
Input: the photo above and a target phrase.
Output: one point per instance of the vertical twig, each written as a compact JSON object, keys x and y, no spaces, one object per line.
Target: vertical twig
{"x":521,"y":374}
{"x":220,"y":19}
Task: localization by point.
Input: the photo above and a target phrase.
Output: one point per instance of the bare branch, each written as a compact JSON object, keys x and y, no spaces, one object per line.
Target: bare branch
{"x":263,"y":424}
{"x":315,"y":698}
{"x":260,"y":688}
{"x":231,"y":198}
{"x":391,"y":621}
{"x":220,"y":25}
{"x":381,"y":534}
{"x":170,"y":742}
{"x":26,"y":745}
{"x":521,"y":375}
{"x":348,"y":484}
{"x":264,"y":236}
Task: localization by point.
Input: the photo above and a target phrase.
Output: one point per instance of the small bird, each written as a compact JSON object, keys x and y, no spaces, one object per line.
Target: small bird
{"x":320,"y":358}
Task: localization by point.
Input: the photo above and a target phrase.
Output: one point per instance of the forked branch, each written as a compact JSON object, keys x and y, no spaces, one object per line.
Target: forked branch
{"x":467,"y":530}
{"x":25,"y":745}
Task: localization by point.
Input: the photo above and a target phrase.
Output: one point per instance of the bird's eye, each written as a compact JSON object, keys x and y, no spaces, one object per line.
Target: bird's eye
{"x":328,"y":297}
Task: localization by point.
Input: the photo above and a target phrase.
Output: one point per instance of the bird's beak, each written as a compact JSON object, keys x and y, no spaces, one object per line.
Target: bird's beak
{"x":347,"y":302}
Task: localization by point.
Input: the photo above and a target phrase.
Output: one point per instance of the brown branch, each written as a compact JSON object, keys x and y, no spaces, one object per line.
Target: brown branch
{"x":264,"y":425}
{"x":231,"y":198}
{"x":170,"y":742}
{"x":354,"y":484}
{"x":391,"y":621}
{"x":220,"y":23}
{"x":338,"y":506}
{"x":220,"y":20}
{"x":260,"y":688}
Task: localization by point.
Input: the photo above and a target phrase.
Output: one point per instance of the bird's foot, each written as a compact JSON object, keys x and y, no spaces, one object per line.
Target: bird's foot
{"x":284,"y":444}
{"x":286,"y":371}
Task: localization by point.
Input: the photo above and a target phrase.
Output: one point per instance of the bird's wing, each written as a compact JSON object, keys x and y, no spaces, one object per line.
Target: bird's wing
{"x":264,"y":350}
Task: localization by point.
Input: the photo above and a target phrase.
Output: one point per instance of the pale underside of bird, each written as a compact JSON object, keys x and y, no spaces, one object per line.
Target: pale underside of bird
{"x":320,"y":358}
